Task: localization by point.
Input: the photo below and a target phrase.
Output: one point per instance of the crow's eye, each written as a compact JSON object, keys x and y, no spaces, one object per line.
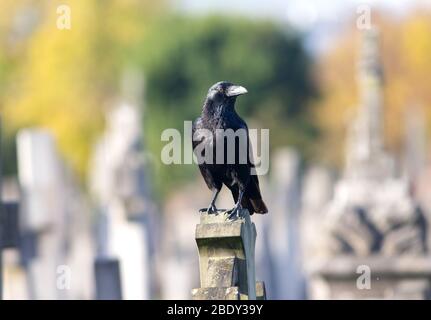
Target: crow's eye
{"x":220,"y":90}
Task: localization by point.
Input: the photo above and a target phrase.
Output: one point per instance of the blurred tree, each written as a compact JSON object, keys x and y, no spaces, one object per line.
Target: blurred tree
{"x":182,"y":57}
{"x":62,"y":79}
{"x":405,"y":52}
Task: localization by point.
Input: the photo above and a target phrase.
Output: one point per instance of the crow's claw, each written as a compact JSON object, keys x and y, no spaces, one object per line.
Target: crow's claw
{"x":234,"y":213}
{"x":210,"y":210}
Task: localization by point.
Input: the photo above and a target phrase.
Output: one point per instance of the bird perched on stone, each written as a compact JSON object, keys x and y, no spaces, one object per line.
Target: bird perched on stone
{"x":219,"y":161}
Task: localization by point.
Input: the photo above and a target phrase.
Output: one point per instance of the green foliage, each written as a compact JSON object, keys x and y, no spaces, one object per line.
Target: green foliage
{"x":183,"y":57}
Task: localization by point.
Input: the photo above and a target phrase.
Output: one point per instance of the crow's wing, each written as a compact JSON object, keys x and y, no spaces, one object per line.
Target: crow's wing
{"x":210,"y":178}
{"x":252,"y":199}
{"x":252,"y":191}
{"x":252,"y":194}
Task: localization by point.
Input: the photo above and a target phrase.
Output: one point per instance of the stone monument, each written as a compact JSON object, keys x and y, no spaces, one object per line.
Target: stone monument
{"x":284,"y":278}
{"x":53,"y":221}
{"x":120,"y":185}
{"x":375,"y":230}
{"x":226,"y":258}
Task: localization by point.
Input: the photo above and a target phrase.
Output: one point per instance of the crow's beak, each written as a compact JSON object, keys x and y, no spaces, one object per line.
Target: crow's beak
{"x":234,"y":91}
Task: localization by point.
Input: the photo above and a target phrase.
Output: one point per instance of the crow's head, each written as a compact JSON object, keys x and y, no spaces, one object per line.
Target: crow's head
{"x":224,"y":91}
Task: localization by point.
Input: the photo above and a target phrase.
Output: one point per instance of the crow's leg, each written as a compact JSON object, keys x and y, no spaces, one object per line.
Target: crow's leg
{"x":212,"y":208}
{"x":235,"y":212}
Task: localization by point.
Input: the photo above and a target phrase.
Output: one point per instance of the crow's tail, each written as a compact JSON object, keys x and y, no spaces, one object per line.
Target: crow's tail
{"x":255,"y":205}
{"x":259,"y":206}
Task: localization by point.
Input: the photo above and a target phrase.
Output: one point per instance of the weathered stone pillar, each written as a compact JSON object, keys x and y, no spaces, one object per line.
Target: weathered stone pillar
{"x":226,"y":258}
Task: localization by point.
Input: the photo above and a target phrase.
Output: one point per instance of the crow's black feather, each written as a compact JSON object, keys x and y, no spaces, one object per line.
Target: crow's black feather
{"x":218,"y":112}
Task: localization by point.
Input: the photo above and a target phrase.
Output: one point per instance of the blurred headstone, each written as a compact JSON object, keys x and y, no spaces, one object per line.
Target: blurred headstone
{"x":13,"y":271}
{"x":178,"y":248}
{"x":317,"y":189}
{"x":108,"y":281}
{"x":53,"y":221}
{"x":39,"y":174}
{"x":282,"y":231}
{"x":28,"y":247}
{"x":119,"y":182}
{"x":415,"y":144}
{"x":11,"y":233}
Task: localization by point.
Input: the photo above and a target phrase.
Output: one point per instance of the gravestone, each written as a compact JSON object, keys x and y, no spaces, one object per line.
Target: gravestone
{"x":53,"y":219}
{"x":40,"y":175}
{"x":9,"y":226}
{"x":227,"y":258}
{"x":11,"y":238}
{"x":42,"y":201}
{"x":283,"y":229}
{"x":108,"y":281}
{"x":28,"y":247}
{"x":11,"y":232}
{"x":119,"y":184}
{"x":317,"y":189}
{"x":178,"y":249}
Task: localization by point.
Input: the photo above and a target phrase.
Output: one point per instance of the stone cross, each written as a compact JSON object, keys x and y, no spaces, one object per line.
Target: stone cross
{"x":226,"y":258}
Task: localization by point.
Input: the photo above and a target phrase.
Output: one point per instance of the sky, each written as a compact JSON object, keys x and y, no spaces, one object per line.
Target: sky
{"x":321,"y":20}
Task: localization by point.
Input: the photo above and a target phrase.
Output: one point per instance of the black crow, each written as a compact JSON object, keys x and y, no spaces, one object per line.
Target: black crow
{"x":209,"y":130}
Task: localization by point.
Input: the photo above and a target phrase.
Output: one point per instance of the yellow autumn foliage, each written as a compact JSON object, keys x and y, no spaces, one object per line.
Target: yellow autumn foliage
{"x":63,"y":79}
{"x":405,"y":53}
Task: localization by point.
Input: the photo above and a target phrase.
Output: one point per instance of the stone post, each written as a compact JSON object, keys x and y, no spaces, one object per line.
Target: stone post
{"x":226,"y":258}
